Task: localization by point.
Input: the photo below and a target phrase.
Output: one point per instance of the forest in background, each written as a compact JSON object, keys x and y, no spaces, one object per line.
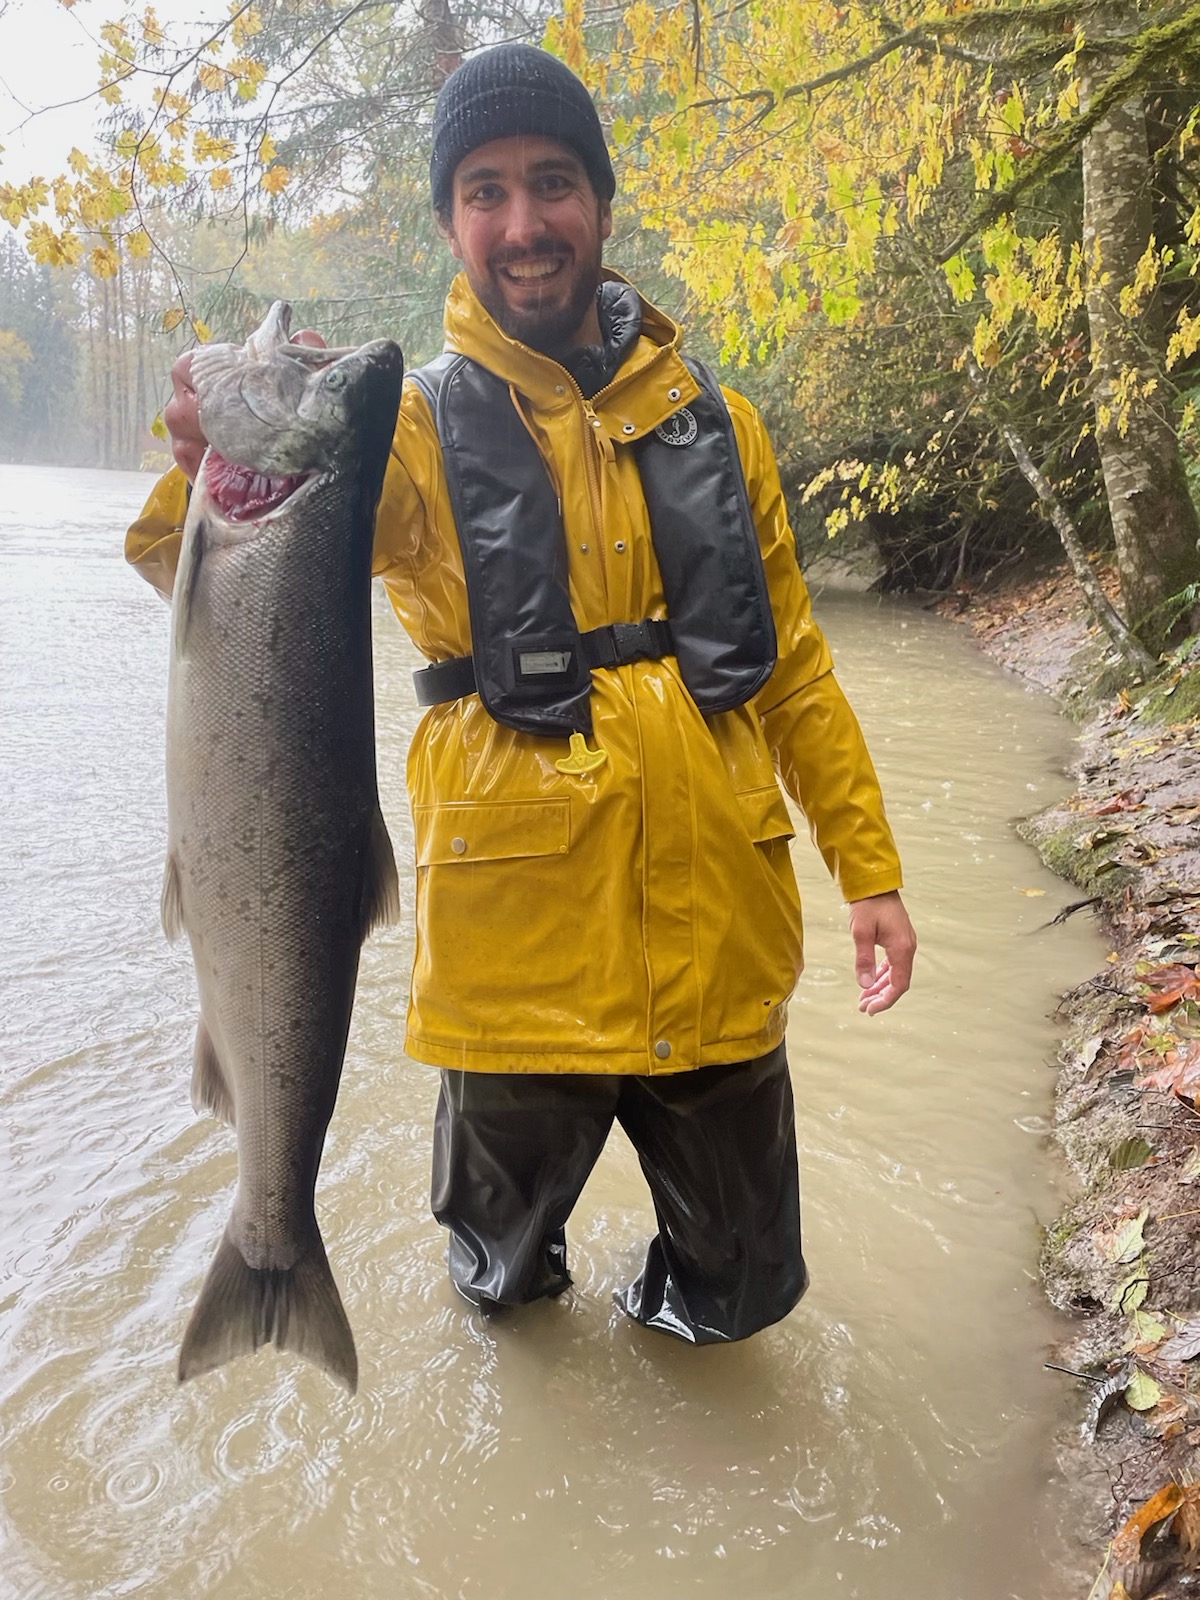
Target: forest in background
{"x":951,"y":251}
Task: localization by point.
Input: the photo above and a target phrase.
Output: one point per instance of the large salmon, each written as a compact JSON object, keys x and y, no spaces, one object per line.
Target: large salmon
{"x":279,"y":861}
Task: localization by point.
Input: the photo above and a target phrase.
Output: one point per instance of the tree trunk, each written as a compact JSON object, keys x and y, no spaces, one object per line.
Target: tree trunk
{"x":1155,"y":527}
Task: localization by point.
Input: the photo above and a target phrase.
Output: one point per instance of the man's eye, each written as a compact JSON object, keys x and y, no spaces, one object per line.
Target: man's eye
{"x":553,"y":183}
{"x":486,"y":195}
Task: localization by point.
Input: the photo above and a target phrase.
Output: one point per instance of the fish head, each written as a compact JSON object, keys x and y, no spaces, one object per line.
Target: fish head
{"x":274,"y":423}
{"x":355,"y":399}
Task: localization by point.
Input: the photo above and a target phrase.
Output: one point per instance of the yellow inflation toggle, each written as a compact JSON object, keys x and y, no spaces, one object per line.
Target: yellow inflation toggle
{"x":581,"y":759}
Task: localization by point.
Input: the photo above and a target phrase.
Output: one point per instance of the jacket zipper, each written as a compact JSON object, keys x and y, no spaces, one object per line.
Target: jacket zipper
{"x":591,"y":427}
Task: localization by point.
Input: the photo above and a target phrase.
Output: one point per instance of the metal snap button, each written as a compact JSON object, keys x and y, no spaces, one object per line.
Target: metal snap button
{"x":628,"y":428}
{"x":560,"y":388}
{"x":459,"y":846}
{"x":596,"y":423}
{"x":673,"y":394}
{"x":620,"y":545}
{"x":662,"y":1049}
{"x":585,"y":548}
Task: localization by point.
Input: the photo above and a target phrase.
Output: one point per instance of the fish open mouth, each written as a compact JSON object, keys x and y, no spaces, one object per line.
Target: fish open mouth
{"x":242,"y":493}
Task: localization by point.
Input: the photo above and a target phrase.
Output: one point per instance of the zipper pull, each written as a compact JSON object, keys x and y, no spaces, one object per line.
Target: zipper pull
{"x":581,"y":759}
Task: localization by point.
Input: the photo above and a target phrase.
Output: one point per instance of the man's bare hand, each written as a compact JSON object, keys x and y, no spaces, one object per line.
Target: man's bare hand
{"x":881,"y":922}
{"x":181,"y":414}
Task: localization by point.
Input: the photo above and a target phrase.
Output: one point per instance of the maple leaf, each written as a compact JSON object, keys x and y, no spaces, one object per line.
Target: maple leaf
{"x":276,"y":179}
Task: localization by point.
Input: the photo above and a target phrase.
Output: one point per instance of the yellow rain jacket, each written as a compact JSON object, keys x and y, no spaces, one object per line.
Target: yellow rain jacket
{"x":642,"y":917}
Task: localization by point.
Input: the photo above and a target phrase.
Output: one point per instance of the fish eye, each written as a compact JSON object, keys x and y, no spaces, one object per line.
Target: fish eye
{"x":335,"y":379}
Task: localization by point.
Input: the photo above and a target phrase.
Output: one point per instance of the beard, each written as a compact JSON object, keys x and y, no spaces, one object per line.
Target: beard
{"x":550,"y":328}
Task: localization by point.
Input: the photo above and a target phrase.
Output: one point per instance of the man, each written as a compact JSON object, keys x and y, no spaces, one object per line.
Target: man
{"x":589,"y":541}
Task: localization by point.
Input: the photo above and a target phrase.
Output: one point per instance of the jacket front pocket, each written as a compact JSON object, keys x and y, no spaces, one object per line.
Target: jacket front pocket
{"x":765,"y":814}
{"x":491,"y":830}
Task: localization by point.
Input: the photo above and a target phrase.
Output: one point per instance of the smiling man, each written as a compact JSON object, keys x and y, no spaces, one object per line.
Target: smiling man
{"x":585,"y":536}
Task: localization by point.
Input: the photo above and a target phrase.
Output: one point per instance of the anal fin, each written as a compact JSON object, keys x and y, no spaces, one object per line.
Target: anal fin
{"x":210,"y":1087}
{"x":379,"y":900}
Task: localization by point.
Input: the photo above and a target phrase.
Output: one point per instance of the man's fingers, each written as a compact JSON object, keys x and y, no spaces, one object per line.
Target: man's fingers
{"x":311,"y":337}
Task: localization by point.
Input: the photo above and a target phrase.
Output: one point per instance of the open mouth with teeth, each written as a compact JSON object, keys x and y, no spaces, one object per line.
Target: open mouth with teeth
{"x":242,"y":494}
{"x":533,"y":271}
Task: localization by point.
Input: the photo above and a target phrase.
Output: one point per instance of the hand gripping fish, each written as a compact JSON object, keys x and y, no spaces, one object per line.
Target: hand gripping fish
{"x":279,"y":861}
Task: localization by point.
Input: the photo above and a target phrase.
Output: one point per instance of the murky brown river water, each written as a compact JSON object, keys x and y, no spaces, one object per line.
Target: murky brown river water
{"x":889,"y":1440}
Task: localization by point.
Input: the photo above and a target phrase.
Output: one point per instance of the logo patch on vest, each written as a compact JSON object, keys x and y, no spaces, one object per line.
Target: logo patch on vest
{"x":544,"y":663}
{"x":679,"y":430}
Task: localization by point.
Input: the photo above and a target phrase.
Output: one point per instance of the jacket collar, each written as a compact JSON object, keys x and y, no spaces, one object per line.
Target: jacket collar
{"x":651,"y":383}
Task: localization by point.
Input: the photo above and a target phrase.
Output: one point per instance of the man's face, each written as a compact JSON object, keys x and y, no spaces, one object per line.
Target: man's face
{"x":528,"y":228}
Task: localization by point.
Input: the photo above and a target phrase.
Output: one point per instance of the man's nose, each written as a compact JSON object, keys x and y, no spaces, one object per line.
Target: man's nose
{"x":524,"y":222}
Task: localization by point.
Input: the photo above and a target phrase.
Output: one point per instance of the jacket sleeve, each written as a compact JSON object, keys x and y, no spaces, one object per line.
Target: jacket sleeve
{"x":153,"y":542}
{"x":812,"y":733}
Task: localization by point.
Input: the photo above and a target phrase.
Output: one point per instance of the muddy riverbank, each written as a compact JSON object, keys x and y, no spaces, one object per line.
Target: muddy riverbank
{"x":1123,"y":1258}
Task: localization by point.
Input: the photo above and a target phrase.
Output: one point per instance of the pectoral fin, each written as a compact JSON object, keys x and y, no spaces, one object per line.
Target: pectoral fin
{"x":172,"y":901}
{"x":186,"y":580}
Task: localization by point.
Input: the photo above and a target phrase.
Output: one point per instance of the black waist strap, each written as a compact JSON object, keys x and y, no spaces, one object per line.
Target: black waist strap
{"x":613,"y":646}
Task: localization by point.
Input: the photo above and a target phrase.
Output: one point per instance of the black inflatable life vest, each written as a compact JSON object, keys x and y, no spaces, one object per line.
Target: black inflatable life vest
{"x":532,"y":667}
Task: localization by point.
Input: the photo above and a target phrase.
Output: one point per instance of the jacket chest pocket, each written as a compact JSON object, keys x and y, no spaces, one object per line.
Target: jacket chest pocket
{"x":491,"y":830}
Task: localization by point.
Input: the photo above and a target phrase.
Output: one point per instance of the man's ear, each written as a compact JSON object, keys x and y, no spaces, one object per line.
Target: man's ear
{"x":605,"y":219}
{"x":445,"y":226}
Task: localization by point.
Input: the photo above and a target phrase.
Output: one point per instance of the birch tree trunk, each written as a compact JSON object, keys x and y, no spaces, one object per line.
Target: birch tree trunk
{"x":1155,"y":527}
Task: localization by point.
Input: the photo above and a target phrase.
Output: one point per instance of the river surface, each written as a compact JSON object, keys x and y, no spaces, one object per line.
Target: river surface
{"x":891,"y":1440}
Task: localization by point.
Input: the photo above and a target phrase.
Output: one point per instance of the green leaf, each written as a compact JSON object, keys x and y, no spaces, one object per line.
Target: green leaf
{"x":1147,"y":1328}
{"x":1130,"y":1293}
{"x":1128,"y":1242}
{"x":1129,"y":1153}
{"x":1142,"y":1393}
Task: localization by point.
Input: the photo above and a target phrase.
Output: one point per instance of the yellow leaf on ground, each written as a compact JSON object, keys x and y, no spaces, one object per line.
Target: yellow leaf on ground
{"x":1127,"y":1545}
{"x":1034,"y":894}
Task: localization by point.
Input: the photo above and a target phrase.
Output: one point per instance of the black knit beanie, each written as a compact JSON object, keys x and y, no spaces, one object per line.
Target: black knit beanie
{"x":512,"y":89}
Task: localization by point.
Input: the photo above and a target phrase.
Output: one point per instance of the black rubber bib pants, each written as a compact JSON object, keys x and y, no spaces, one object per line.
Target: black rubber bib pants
{"x":512,"y":1152}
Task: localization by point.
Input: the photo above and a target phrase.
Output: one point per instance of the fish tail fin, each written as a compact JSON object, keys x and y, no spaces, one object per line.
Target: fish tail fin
{"x":242,"y":1307}
{"x":380,"y":898}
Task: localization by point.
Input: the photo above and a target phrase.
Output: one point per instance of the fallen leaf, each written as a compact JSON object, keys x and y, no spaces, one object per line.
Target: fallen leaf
{"x":1131,"y":1293}
{"x":1088,"y":1051}
{"x":1166,"y":1419}
{"x":1129,"y":1153}
{"x":1186,"y":1526}
{"x":1127,"y":1545}
{"x":1127,"y":800}
{"x":1149,"y":1332}
{"x":1190,"y":1170}
{"x":1128,"y":1243}
{"x":1141,"y":1392}
{"x":1179,"y":1074}
{"x":1033,"y":894}
{"x":1184,"y":1344}
{"x":1170,"y":985}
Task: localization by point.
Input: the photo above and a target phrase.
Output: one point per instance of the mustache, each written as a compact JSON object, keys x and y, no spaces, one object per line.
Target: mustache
{"x":546,"y":249}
